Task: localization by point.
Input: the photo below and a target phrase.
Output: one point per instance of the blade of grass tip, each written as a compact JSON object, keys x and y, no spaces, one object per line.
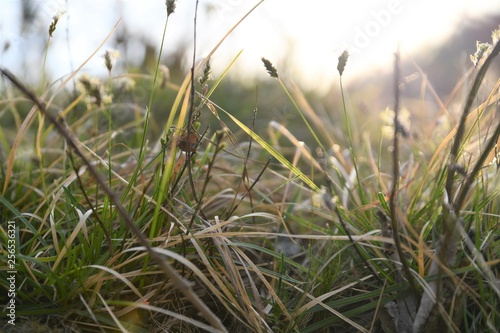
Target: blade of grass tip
{"x":118,"y":276}
{"x":201,"y":65}
{"x":18,"y":215}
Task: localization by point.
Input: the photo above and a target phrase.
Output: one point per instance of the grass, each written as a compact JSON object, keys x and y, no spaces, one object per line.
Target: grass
{"x":220,"y":230}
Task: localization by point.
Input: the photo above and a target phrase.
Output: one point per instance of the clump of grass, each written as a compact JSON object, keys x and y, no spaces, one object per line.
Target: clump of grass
{"x":220,"y":231}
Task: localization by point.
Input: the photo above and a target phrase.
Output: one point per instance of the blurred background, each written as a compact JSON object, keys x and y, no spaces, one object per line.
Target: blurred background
{"x":303,"y":39}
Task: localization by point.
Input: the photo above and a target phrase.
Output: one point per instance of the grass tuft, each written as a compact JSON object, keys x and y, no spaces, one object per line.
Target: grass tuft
{"x":244,"y":228}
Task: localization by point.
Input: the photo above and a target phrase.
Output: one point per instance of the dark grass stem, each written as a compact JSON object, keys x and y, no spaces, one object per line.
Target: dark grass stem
{"x":457,"y":144}
{"x":183,"y":285}
{"x":393,"y":200}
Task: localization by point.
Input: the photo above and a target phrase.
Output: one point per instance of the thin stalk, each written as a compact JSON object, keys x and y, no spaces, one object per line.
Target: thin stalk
{"x":393,"y":200}
{"x":142,"y":150}
{"x":351,"y":143}
{"x":190,"y":114}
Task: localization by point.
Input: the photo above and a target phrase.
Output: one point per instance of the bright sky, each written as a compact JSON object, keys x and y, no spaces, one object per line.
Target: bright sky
{"x":302,"y":38}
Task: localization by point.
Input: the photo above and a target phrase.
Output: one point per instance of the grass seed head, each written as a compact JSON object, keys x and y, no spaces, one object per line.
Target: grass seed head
{"x":342,"y":62}
{"x":482,"y":51}
{"x":110,"y":58}
{"x":94,"y":90}
{"x":207,"y":74}
{"x":170,"y":6}
{"x":270,"y":68}
{"x":53,"y":24}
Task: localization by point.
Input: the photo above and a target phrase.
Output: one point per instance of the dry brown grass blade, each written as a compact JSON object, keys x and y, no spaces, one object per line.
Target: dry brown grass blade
{"x":17,"y":140}
{"x":239,"y":286}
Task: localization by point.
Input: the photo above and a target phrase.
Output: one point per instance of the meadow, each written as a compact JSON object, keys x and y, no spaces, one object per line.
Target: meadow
{"x":147,"y":202}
